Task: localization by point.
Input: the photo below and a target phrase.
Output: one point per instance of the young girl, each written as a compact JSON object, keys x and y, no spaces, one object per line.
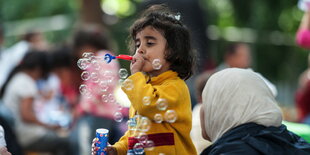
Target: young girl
{"x":159,"y":96}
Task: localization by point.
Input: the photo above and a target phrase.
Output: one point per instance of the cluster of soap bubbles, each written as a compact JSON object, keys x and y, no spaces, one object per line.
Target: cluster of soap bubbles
{"x":123,"y":74}
{"x":140,"y":125}
{"x":170,"y":116}
{"x":94,"y":74}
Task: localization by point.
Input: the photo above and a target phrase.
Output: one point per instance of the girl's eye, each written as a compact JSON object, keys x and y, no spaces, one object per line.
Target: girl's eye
{"x":137,"y":45}
{"x":150,"y":43}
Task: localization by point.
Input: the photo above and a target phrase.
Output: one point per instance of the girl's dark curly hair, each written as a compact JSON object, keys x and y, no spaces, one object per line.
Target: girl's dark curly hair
{"x":179,"y":50}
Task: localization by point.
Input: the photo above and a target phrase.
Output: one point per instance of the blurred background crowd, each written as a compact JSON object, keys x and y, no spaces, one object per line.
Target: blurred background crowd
{"x":41,"y":42}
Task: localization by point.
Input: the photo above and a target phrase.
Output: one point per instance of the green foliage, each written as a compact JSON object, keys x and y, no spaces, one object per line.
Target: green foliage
{"x":18,"y":9}
{"x":276,"y":61}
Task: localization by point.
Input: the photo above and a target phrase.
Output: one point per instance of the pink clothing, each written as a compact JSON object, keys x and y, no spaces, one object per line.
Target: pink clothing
{"x":101,"y":102}
{"x":303,"y":38}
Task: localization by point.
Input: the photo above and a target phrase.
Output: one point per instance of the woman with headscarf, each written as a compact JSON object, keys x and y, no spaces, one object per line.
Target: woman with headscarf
{"x":239,"y":115}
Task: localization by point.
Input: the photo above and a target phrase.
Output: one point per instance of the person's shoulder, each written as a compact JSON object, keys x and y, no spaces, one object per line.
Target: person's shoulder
{"x":22,"y":78}
{"x":232,"y":148}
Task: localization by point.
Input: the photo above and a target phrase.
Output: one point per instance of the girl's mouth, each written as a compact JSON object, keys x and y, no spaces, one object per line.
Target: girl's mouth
{"x":145,"y":59}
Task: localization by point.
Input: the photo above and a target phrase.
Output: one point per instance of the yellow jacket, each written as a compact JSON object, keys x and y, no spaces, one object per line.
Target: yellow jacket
{"x":170,"y":138}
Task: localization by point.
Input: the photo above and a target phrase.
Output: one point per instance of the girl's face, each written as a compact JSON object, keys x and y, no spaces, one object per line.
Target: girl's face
{"x":152,"y":45}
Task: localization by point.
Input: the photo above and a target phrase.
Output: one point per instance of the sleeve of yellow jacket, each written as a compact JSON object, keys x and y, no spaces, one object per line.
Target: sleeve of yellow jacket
{"x":122,"y":145}
{"x":169,"y":91}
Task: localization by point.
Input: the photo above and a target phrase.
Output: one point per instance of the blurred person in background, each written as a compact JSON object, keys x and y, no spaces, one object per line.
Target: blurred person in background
{"x":36,"y":40}
{"x":53,"y":105}
{"x":303,"y":32}
{"x":62,"y":68}
{"x":302,"y":96}
{"x":240,"y":115}
{"x":238,"y":55}
{"x":96,"y":108}
{"x":18,"y":93}
{"x":11,"y":56}
{"x":199,"y":142}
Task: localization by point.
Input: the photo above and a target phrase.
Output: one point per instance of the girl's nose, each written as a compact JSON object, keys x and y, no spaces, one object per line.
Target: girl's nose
{"x":141,"y":51}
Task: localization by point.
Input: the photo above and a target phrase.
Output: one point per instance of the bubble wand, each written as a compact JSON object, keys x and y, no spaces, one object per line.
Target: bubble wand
{"x":108,"y":57}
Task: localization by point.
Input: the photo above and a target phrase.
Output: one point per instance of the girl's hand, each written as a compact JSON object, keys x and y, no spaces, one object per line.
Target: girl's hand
{"x":136,"y":63}
{"x":109,"y":149}
{"x":94,"y":149}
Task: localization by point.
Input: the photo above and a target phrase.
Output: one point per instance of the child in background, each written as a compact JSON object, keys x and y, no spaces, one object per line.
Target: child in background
{"x":163,"y":59}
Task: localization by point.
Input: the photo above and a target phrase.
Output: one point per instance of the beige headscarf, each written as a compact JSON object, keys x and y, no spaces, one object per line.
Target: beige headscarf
{"x":233,"y":97}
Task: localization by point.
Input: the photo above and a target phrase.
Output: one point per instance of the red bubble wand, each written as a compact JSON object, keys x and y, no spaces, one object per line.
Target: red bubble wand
{"x":108,"y":57}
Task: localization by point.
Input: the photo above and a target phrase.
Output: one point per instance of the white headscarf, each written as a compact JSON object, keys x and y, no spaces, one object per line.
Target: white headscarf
{"x":233,"y":97}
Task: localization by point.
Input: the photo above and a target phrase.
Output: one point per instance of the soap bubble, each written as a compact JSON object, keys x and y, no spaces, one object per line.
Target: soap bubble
{"x":94,"y":77}
{"x":128,"y":84}
{"x":156,"y":64}
{"x":131,"y":124}
{"x":149,"y":145}
{"x":95,"y":64}
{"x":146,"y":100}
{"x":109,"y":79}
{"x":138,"y":148}
{"x":158,"y":118}
{"x":92,"y":57}
{"x":85,"y":75}
{"x":83,"y":63}
{"x":87,"y":55}
{"x":103,"y":86}
{"x":111,"y":98}
{"x":142,"y":137}
{"x":137,"y":117}
{"x":170,"y":116}
{"x":123,"y":73}
{"x":83,"y":89}
{"x":118,"y":116}
{"x":119,"y":107}
{"x":161,"y":104}
{"x":145,"y":124}
{"x":105,"y":98}
{"x":107,"y":73}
